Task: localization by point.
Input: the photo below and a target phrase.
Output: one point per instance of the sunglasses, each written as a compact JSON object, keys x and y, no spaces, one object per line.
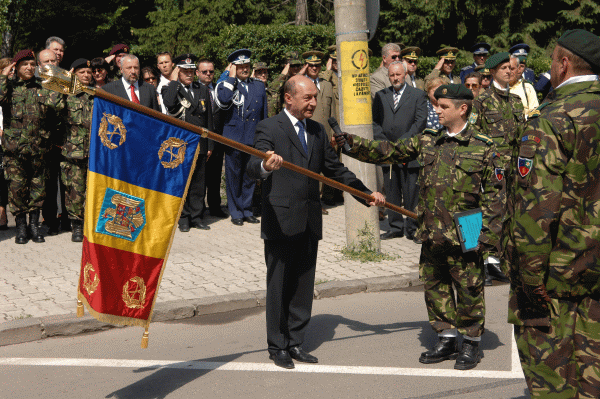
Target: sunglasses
{"x":449,"y":61}
{"x":395,"y":57}
{"x":208,"y":72}
{"x":471,"y":85}
{"x":150,"y":79}
{"x":411,"y":61}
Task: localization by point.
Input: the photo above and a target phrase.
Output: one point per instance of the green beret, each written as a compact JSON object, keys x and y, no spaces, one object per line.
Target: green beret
{"x":497,"y":59}
{"x":583,"y":44}
{"x":453,"y":91}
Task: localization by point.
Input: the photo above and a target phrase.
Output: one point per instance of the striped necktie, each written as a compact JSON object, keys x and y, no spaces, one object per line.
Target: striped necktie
{"x":396,"y":99}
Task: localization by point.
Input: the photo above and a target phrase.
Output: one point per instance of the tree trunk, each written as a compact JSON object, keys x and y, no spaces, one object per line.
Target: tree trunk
{"x":301,"y":12}
{"x":7,"y":39}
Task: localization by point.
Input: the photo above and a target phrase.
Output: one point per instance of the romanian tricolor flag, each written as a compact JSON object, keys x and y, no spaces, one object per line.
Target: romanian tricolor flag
{"x":139,"y":171}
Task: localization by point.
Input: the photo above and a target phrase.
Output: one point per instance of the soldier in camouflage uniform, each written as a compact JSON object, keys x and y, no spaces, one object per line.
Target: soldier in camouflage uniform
{"x":499,"y":115}
{"x":30,"y":115}
{"x":75,"y":149}
{"x":553,"y":240}
{"x":457,"y":164}
{"x":292,"y":67}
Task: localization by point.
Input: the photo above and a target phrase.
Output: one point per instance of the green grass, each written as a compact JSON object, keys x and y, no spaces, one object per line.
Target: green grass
{"x":366,"y":250}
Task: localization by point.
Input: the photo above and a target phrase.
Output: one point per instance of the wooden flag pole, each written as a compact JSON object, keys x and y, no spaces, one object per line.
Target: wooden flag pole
{"x":60,"y":80}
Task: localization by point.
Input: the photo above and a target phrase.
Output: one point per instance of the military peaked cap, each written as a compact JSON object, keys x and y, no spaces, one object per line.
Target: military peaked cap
{"x":480,"y":48}
{"x":313,"y":57}
{"x":448,"y":53}
{"x":240,"y":57}
{"x":412,"y":53}
{"x":186,"y":61}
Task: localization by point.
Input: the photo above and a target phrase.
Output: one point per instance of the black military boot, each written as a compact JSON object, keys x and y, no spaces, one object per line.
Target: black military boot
{"x":21,"y":221}
{"x":496,"y":272}
{"x":445,"y":349}
{"x":34,"y":227}
{"x":469,"y":356}
{"x":488,"y":278}
{"x":77,"y":234}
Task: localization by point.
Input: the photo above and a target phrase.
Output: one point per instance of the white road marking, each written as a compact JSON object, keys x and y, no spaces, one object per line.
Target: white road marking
{"x":515,"y":371}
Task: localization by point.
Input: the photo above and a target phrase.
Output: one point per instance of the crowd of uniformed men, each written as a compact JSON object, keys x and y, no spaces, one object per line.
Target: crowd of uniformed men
{"x":488,"y":144}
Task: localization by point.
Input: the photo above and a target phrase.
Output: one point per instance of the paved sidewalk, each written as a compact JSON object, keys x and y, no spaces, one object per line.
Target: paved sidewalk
{"x":38,"y":280}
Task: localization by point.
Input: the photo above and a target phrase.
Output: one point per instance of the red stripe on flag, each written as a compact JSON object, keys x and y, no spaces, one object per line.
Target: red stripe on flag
{"x":111,"y":269}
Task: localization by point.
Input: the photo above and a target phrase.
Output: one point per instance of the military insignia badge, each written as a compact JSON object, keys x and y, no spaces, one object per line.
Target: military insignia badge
{"x":473,"y":118}
{"x":134,"y":296}
{"x":118,"y":131}
{"x":524,"y":166}
{"x":532,"y":138}
{"x":444,"y":91}
{"x":176,"y":149}
{"x":499,"y":174}
{"x":122,"y":215}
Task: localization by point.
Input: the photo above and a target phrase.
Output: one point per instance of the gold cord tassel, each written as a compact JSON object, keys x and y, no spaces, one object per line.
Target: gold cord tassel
{"x":79,"y":308}
{"x":145,"y":339}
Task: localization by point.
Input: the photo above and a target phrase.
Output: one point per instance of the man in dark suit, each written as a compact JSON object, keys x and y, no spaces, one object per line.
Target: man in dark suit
{"x":243,"y":101}
{"x":190,"y":101}
{"x":401,"y":112}
{"x":291,"y":215}
{"x":129,"y":88}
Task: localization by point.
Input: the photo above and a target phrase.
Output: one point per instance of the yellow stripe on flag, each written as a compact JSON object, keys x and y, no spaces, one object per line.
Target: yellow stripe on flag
{"x":161,"y":212}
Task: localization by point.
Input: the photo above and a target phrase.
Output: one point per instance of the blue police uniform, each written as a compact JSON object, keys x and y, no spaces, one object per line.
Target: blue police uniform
{"x":244,"y":104}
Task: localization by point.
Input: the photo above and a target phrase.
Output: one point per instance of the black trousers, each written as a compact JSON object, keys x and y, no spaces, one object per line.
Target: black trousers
{"x":401,"y":189}
{"x":291,"y":268}
{"x":194,"y":202}
{"x":54,"y":187}
{"x":214,"y":170}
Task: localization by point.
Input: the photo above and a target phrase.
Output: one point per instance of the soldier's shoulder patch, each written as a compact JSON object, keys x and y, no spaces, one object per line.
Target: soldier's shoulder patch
{"x":473,"y":117}
{"x":531,"y":137}
{"x":524,"y":166}
{"x":484,"y":138}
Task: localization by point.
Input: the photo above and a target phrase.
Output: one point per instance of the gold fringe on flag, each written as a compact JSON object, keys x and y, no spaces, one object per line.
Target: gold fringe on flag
{"x":145,"y":339}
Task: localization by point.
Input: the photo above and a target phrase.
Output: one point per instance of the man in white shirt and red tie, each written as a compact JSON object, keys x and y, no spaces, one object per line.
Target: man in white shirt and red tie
{"x":130,"y":87}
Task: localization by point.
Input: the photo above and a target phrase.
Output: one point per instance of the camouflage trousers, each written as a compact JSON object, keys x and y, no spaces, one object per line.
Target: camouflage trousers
{"x":563,"y":361}
{"x":453,"y":289}
{"x":74,"y":175}
{"x":26,"y":178}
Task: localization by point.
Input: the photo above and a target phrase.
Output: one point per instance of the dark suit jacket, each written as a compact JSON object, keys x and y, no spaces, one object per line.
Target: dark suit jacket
{"x":147,"y":93}
{"x":290,"y":201}
{"x":408,"y":120}
{"x":200,"y":111}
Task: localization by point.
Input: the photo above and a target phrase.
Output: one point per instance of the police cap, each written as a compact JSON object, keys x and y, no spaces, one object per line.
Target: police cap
{"x":519,"y":50}
{"x":453,"y":91}
{"x":583,"y":44}
{"x":240,"y":57}
{"x":186,"y":61}
{"x":480,"y":48}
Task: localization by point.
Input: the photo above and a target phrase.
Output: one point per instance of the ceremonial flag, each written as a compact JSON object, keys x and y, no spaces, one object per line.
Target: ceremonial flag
{"x":139,"y":171}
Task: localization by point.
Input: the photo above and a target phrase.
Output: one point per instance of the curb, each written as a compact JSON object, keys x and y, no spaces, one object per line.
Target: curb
{"x":37,"y":328}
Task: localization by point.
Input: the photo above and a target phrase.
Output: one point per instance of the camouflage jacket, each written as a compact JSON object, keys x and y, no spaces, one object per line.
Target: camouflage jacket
{"x":454,"y":171}
{"x":31,"y":114}
{"x":499,"y":116}
{"x":556,"y":223}
{"x":275,"y":100}
{"x":79,"y":122}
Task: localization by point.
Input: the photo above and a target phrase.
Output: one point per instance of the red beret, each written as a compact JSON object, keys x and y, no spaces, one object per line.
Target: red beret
{"x":119,"y":48}
{"x":23,"y":55}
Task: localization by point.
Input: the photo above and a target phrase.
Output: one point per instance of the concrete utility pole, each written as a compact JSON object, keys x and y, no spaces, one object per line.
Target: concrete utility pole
{"x":355,"y":107}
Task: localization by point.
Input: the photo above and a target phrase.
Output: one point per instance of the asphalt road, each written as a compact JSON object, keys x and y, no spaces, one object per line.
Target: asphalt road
{"x":368,"y":346}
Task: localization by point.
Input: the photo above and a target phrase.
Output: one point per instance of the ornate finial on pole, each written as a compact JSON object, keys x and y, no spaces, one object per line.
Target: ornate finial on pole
{"x":62,"y":81}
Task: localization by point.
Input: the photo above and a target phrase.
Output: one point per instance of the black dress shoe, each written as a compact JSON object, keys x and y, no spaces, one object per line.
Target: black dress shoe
{"x":238,"y":222}
{"x":469,"y":355}
{"x":282,"y":359}
{"x":251,"y":219}
{"x":184,"y":227}
{"x":445,"y":349}
{"x":328,"y":202}
{"x":4,"y":226}
{"x":218,"y":213}
{"x":391,"y":234}
{"x":300,"y":355}
{"x":410,"y":236}
{"x":200,"y":225}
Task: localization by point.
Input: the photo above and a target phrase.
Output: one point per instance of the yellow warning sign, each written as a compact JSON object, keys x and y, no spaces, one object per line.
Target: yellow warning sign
{"x":356,"y":84}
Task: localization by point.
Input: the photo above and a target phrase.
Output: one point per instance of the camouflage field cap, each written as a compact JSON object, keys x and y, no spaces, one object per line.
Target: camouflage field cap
{"x":260,"y":65}
{"x":453,"y":91}
{"x":583,"y":44}
{"x":448,"y":53}
{"x":293,"y":58}
{"x":411,"y":53}
{"x":313,"y":57}
{"x":497,"y":59}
